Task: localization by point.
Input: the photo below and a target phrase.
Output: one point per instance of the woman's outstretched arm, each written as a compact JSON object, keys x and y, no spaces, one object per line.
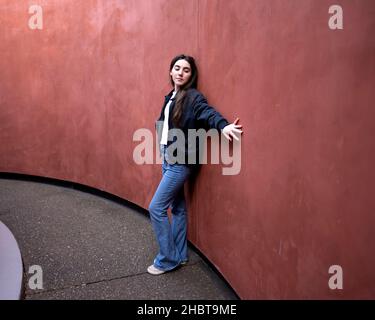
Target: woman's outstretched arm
{"x":213,"y":118}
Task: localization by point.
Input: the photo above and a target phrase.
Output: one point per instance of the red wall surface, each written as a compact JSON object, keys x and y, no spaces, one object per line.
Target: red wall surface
{"x":73,"y":94}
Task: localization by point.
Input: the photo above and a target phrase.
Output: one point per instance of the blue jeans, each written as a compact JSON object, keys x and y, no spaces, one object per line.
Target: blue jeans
{"x":171,"y":237}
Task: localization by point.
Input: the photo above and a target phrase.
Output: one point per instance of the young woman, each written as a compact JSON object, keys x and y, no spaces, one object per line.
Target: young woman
{"x":184,"y":108}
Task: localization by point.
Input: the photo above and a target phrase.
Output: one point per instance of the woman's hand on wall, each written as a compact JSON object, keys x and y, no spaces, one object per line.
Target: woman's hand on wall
{"x":233,"y":130}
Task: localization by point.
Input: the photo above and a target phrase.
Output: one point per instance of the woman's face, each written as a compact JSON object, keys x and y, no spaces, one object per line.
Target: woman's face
{"x":180,"y":73}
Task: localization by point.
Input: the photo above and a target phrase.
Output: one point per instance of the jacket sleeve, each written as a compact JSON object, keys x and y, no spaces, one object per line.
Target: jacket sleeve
{"x":207,"y":114}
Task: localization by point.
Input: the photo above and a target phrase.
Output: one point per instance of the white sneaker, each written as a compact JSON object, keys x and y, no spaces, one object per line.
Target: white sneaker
{"x":154,"y":271}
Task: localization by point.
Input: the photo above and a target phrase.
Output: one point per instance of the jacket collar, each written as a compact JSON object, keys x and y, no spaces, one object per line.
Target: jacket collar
{"x":168,"y":96}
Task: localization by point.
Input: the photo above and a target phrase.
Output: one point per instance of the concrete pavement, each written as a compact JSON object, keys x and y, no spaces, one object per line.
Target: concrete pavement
{"x":91,"y":245}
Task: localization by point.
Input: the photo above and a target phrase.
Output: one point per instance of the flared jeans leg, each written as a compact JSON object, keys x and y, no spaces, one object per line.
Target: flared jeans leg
{"x":179,"y":224}
{"x":171,"y":237}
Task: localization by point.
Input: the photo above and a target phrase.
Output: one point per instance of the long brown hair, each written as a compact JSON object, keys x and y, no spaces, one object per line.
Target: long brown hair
{"x":181,"y":94}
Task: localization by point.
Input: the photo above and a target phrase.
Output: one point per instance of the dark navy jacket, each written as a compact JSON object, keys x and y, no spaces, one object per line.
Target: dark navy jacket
{"x":196,"y":114}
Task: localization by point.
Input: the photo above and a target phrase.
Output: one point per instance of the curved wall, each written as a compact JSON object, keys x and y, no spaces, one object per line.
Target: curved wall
{"x":73,"y":94}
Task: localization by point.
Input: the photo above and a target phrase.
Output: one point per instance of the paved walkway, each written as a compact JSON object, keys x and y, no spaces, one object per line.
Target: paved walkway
{"x":93,"y":247}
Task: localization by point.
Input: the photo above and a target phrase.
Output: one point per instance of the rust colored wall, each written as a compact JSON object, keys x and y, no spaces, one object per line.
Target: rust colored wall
{"x":73,"y":93}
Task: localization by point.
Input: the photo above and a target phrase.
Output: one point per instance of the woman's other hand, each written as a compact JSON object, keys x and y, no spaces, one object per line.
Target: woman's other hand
{"x":233,"y":130}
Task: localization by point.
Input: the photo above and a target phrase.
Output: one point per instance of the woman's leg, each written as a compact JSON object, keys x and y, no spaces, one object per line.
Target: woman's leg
{"x":169,"y":187}
{"x":179,"y":224}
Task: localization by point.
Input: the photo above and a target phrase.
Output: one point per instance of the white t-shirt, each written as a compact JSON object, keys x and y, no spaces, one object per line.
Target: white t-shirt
{"x":164,"y":135}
